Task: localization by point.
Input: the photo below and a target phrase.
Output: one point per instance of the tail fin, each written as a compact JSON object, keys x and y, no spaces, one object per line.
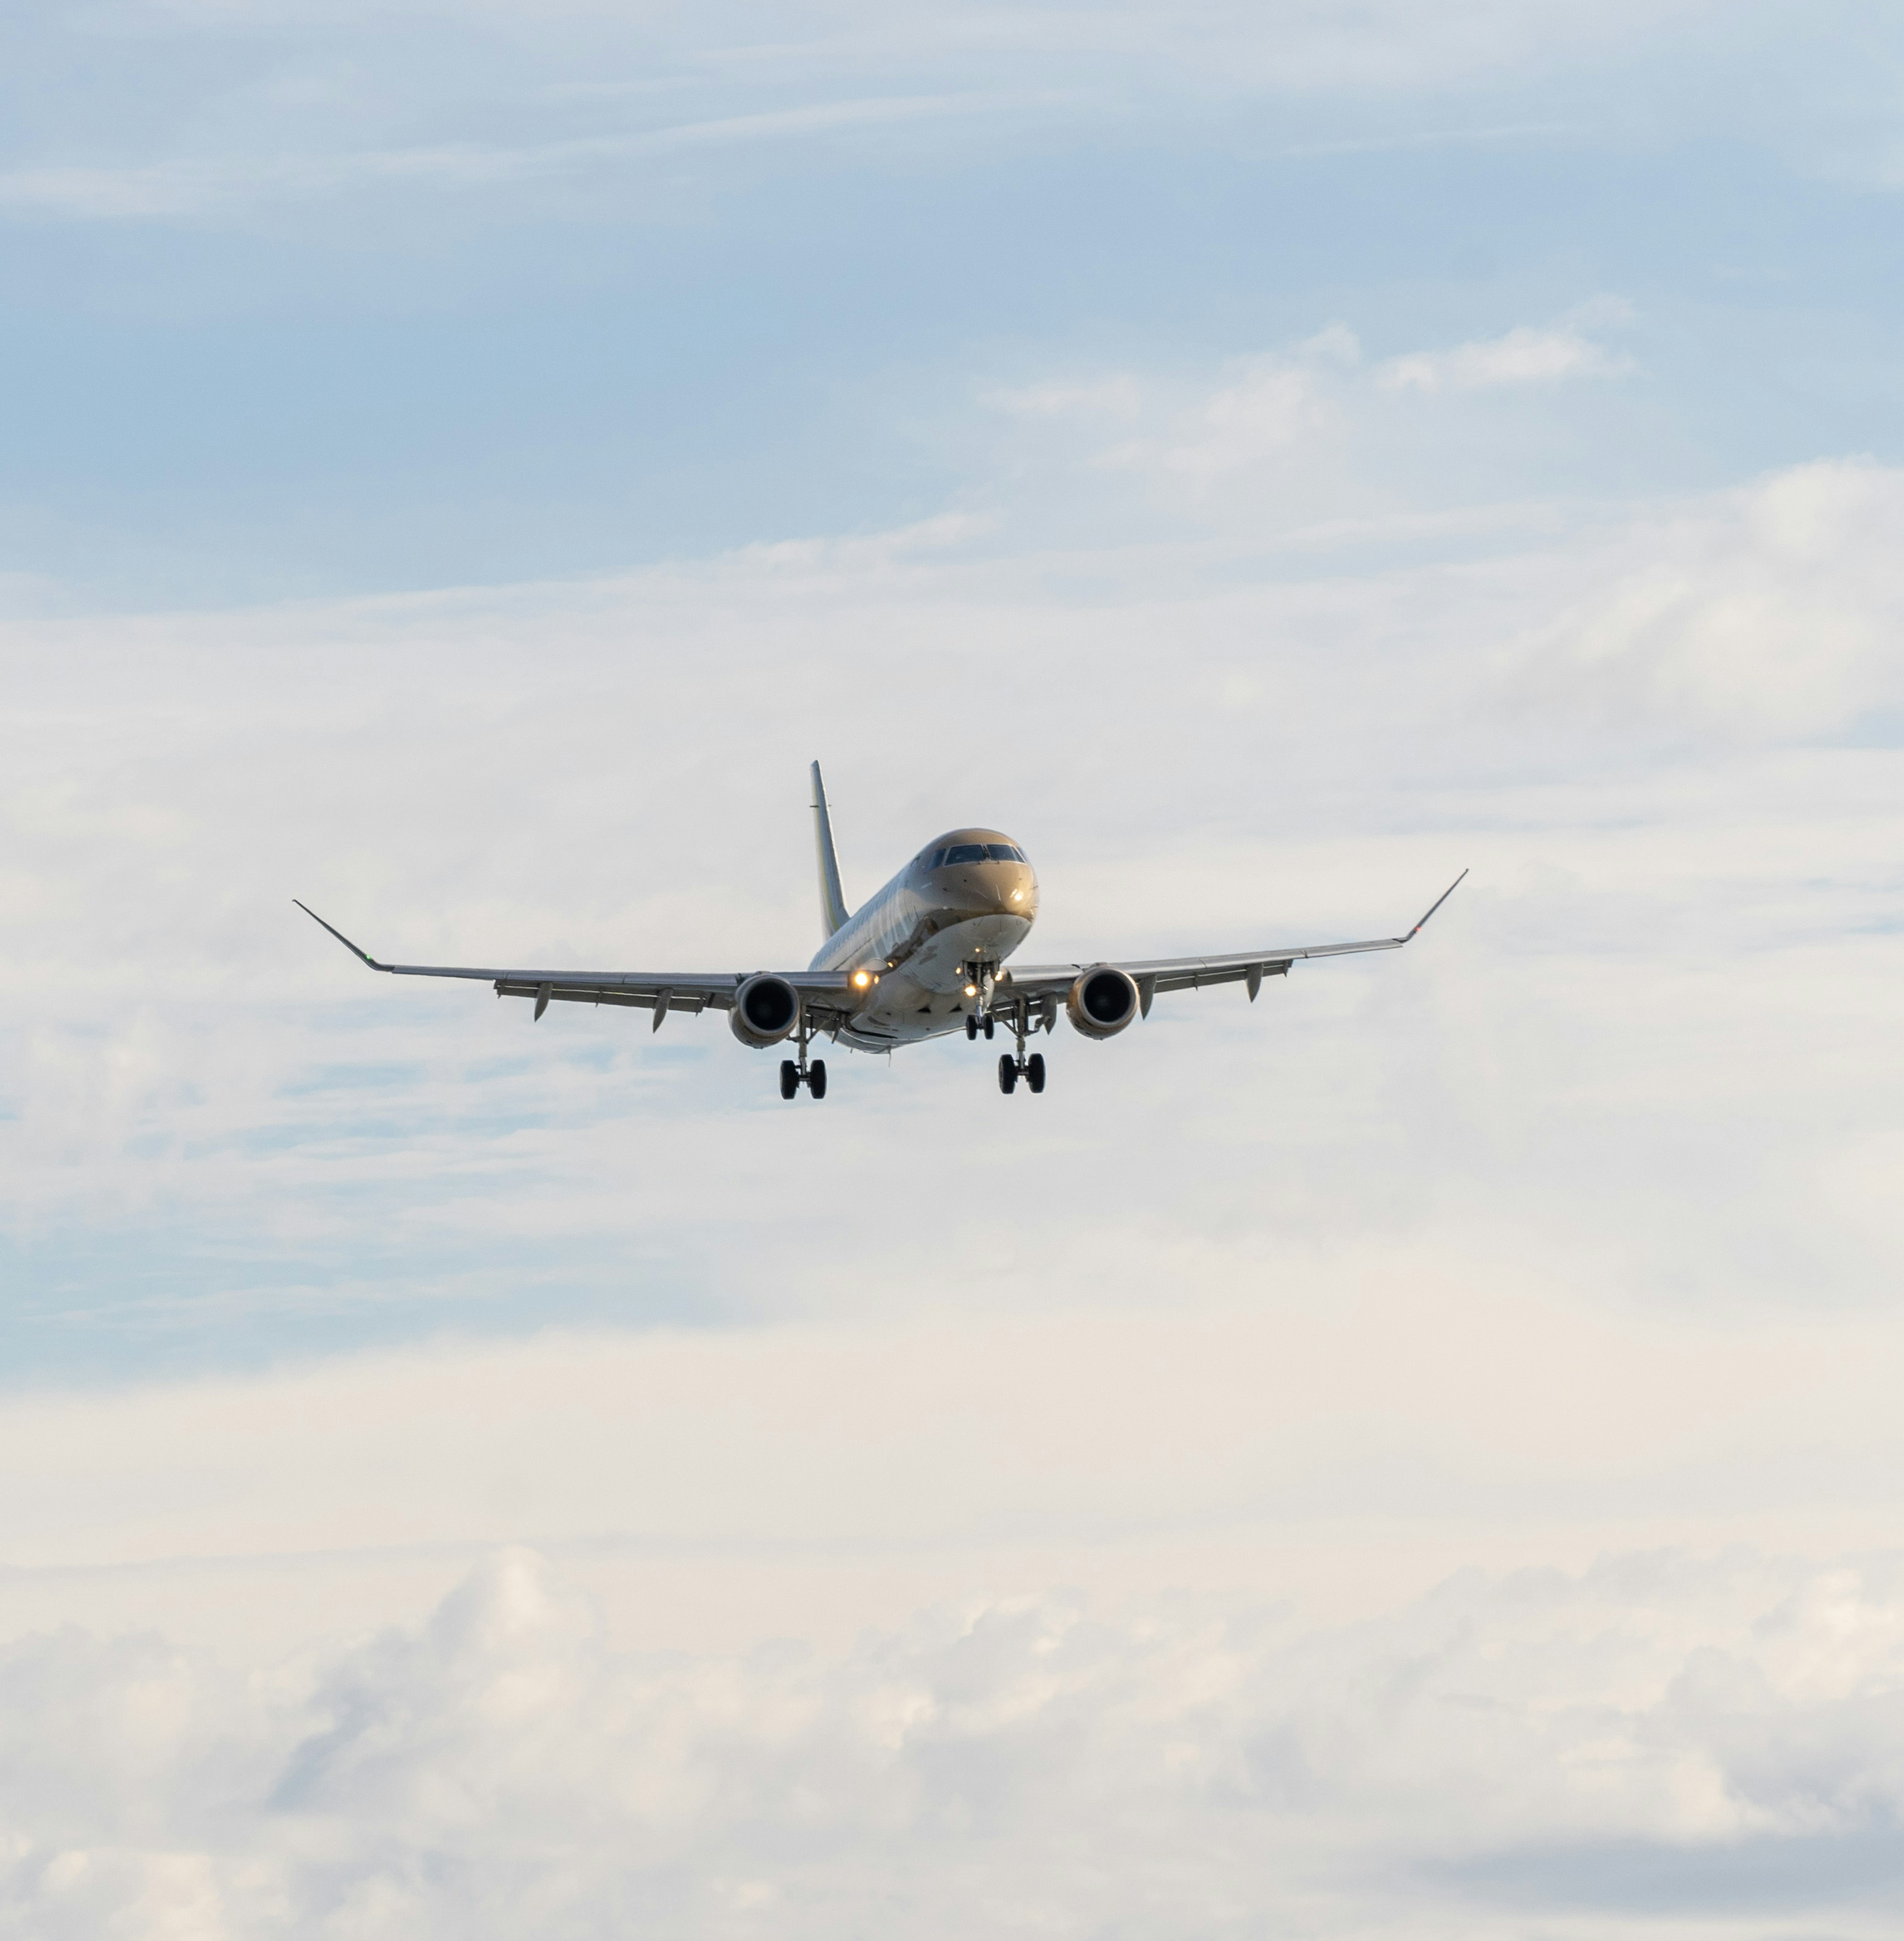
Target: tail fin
{"x":833,"y":905}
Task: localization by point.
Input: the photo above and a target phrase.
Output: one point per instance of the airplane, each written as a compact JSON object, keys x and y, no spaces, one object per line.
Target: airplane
{"x":924,"y":957}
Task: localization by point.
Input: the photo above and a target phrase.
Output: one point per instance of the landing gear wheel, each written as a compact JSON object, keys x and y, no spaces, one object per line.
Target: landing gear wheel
{"x":1007,"y":1074}
{"x":988,"y":1031}
{"x":816,"y":1078}
{"x":1035,"y":1071}
{"x":971,"y":1026}
{"x":790,"y":1078}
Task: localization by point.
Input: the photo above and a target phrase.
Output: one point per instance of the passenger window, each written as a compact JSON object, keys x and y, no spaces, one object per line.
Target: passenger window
{"x":1003,"y":852}
{"x":966,"y":852}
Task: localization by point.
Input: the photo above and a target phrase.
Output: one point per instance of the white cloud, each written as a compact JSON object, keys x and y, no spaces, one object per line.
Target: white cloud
{"x":1117,"y":396}
{"x":1663,"y":1738}
{"x":1276,"y":414}
{"x":1266,"y":412}
{"x":198,"y":185}
{"x":1776,"y":608}
{"x":214,"y":111}
{"x":1523,"y":355}
{"x":1384,"y":45}
{"x":1311,"y":434}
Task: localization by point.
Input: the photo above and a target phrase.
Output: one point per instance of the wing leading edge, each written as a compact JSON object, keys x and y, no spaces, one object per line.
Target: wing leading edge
{"x":1153,"y":974}
{"x":659,"y":991}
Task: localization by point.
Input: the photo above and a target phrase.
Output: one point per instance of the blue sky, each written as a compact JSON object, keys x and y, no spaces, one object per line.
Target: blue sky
{"x":1422,"y":1447}
{"x":303,"y":303}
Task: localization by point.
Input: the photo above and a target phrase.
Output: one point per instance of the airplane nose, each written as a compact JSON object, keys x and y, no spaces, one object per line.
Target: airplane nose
{"x":1008,"y":889}
{"x":1018,"y":895}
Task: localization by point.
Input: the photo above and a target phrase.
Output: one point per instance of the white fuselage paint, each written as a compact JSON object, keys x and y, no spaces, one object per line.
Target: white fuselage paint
{"x":930,"y":933}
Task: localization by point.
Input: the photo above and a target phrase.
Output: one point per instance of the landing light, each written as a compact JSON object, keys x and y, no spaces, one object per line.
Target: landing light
{"x":971,"y":990}
{"x":861,"y":978}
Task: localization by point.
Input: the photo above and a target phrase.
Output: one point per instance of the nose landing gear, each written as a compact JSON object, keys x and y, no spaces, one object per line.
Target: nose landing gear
{"x":981,"y":979}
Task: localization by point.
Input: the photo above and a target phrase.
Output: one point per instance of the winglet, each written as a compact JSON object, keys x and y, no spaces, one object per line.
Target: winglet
{"x":833,"y":903}
{"x":1431,"y":909}
{"x":362,"y":955}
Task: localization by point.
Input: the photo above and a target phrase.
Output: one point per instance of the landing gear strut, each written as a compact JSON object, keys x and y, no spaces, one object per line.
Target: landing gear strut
{"x":793,"y":1075}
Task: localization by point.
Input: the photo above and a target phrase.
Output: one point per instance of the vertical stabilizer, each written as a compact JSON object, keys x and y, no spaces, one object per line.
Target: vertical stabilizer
{"x":833,"y":905}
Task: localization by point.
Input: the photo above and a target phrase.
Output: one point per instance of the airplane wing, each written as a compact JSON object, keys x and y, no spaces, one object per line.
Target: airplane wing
{"x":660,"y":992}
{"x":1041,"y":981}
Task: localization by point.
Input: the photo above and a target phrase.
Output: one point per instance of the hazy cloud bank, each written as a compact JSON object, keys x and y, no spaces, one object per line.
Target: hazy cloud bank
{"x":1663,"y":735}
{"x":1665,"y":1739}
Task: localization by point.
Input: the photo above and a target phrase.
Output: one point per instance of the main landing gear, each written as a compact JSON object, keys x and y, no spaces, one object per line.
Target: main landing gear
{"x":1033,"y":1069}
{"x":813,"y":1078}
{"x":1015,"y":1014}
{"x":793,"y":1075}
{"x":1011,"y":1068}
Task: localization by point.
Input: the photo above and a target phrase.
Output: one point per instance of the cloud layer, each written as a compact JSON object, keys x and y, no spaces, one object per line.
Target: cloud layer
{"x":1661,"y":736}
{"x":1661,"y":1741}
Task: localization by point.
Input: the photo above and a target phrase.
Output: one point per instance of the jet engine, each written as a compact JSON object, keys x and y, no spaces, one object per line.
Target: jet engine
{"x":1103,"y":1002}
{"x":765,"y":1010}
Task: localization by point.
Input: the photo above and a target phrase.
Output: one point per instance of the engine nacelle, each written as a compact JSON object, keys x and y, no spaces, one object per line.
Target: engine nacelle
{"x":1103,"y":1000}
{"x":766,"y":1009}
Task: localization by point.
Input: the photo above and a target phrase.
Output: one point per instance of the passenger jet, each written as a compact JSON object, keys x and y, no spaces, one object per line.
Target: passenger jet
{"x":925,"y":957}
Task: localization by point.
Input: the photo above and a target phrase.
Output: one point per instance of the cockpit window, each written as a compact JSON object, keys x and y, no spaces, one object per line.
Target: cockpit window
{"x":1003,"y":852}
{"x":965,"y":852}
{"x":936,"y":860}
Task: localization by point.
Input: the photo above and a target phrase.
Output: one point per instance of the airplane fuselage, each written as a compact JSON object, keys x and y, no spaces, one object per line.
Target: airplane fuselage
{"x":930,"y":938}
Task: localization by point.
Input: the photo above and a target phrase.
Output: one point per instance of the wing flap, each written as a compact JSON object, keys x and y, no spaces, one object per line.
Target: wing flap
{"x":1222,"y":974}
{"x":602,"y":994}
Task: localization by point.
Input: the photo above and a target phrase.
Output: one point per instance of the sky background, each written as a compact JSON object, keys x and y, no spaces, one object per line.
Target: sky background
{"x":1416,"y":1457}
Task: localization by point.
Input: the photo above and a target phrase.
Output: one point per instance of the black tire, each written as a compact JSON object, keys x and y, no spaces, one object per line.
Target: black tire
{"x":816,"y":1078}
{"x":988,"y":1030}
{"x":790,"y":1078}
{"x":971,"y":1025}
{"x":1035,"y":1071}
{"x":1007,"y":1074}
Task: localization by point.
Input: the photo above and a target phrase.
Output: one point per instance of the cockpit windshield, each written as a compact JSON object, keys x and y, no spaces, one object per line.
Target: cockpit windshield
{"x":974,"y":852}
